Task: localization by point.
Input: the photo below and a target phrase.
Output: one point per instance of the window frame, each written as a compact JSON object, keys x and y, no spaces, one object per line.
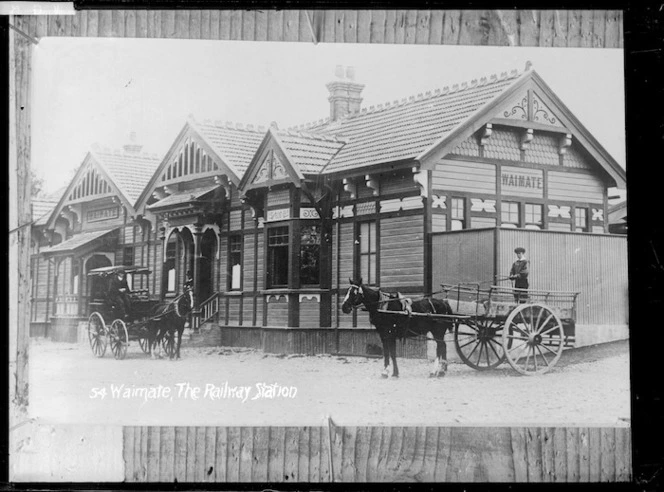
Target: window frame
{"x":510,"y":223}
{"x":464,"y":220}
{"x":303,"y":225}
{"x":359,"y":254}
{"x":269,"y":271}
{"x":586,"y":227}
{"x":531,"y":223}
{"x":231,"y":255}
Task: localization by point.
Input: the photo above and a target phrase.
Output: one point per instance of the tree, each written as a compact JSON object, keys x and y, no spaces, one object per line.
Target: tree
{"x":37,"y":185}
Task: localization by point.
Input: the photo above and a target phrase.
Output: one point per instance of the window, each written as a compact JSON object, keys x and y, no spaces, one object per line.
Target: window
{"x":128,"y":259}
{"x":277,"y":250}
{"x":458,"y":214}
{"x":310,"y":255}
{"x":509,"y":214}
{"x":169,"y":265}
{"x":235,"y":262}
{"x":75,"y":269}
{"x":533,"y":216}
{"x":367,"y":252}
{"x":581,"y":219}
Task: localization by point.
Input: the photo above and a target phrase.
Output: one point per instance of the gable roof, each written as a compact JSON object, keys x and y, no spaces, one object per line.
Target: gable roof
{"x":234,"y":144}
{"x":424,"y":128}
{"x":129,"y":171}
{"x":309,"y":152}
{"x":405,"y":128}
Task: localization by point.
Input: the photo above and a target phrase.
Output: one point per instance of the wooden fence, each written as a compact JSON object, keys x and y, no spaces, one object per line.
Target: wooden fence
{"x":377,"y":454}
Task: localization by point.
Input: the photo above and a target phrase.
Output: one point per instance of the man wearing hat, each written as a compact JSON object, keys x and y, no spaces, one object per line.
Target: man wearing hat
{"x":118,"y":294}
{"x":519,"y":273}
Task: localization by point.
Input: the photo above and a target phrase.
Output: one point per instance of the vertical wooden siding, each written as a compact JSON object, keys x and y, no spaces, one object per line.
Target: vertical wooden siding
{"x":466,"y":256}
{"x":595,"y":265}
{"x":571,"y":28}
{"x":377,"y":454}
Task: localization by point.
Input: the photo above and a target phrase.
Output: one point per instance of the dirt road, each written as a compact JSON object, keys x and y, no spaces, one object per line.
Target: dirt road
{"x":223,"y":386}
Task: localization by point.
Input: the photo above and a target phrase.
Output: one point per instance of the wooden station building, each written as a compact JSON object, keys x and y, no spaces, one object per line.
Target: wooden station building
{"x":438,"y":187}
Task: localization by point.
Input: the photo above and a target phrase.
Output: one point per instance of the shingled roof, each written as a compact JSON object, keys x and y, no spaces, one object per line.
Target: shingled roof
{"x":403,"y":129}
{"x":309,"y":152}
{"x":235,"y":144}
{"x":130,"y":171}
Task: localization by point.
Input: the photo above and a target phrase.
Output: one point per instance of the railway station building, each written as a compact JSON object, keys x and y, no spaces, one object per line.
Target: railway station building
{"x":271,"y":223}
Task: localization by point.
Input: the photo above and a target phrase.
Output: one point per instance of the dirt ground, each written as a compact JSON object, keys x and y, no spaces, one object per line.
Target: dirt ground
{"x":223,"y":386}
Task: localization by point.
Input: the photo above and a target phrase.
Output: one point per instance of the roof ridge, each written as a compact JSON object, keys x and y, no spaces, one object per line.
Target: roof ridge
{"x":430,"y":94}
{"x":456,"y":87}
{"x":231,"y":125}
{"x":314,"y":136}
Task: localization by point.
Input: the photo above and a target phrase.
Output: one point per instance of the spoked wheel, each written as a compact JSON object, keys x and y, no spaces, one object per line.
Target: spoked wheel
{"x":97,"y":334}
{"x":533,"y":339}
{"x":477,"y":342}
{"x":168,"y":343}
{"x":144,"y":343}
{"x":119,"y":339}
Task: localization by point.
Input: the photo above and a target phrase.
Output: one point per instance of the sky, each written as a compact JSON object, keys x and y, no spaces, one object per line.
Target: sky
{"x":97,"y":91}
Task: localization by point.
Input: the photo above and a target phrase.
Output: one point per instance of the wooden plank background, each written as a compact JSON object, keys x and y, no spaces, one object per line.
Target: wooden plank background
{"x":560,"y":28}
{"x":377,"y":454}
{"x":317,"y":454}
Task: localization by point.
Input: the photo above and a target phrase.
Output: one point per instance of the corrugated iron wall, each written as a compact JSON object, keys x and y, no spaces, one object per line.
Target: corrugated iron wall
{"x":463,"y":256}
{"x":593,"y":264}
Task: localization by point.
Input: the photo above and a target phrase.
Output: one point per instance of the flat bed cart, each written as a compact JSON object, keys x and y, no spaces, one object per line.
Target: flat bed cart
{"x":528,"y":328}
{"x":120,"y":332}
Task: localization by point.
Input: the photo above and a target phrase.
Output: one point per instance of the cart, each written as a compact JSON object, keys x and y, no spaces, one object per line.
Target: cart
{"x":528,"y":328}
{"x":121,"y":331}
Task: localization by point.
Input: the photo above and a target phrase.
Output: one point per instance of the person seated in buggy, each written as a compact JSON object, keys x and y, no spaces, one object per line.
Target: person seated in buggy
{"x":118,"y":294}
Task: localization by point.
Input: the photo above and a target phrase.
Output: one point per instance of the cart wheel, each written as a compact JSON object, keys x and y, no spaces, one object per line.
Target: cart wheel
{"x":97,"y":334}
{"x":533,"y":339}
{"x":144,"y":343}
{"x":168,"y":343}
{"x":477,"y":342}
{"x":119,"y":339}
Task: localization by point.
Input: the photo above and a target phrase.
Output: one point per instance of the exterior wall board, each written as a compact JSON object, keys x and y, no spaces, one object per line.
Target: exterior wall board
{"x":579,"y":186}
{"x":466,"y":256}
{"x":401,"y":251}
{"x":474,"y":177}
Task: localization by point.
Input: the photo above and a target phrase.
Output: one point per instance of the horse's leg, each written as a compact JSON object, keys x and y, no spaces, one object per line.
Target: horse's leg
{"x":441,"y":352}
{"x":393,"y":355}
{"x":179,"y":342}
{"x":386,"y":354}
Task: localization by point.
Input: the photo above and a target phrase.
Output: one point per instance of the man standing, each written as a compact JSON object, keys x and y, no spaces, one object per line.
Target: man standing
{"x":519,"y":273}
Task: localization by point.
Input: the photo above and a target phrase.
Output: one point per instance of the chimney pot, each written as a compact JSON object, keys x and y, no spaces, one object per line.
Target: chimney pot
{"x":345,"y":94}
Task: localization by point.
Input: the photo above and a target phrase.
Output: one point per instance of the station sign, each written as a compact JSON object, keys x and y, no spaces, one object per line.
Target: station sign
{"x":522,"y":181}
{"x":103,"y":214}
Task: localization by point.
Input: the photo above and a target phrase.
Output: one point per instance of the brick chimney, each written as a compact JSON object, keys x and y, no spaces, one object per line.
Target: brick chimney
{"x":344,"y":93}
{"x":132,"y":147}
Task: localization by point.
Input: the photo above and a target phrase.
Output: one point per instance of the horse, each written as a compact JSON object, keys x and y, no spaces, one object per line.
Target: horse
{"x":393,"y":326}
{"x":169,"y":318}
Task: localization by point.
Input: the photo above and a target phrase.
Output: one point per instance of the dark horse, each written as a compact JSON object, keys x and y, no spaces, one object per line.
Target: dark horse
{"x":168,"y":320}
{"x":393,"y":326}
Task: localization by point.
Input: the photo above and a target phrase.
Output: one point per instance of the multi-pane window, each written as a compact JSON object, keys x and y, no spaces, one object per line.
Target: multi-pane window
{"x":581,"y":219}
{"x":533,"y":216}
{"x":458,"y":214}
{"x":367,"y":252}
{"x":310,"y":255}
{"x":235,"y":262}
{"x":509,"y":214}
{"x":277,"y":251}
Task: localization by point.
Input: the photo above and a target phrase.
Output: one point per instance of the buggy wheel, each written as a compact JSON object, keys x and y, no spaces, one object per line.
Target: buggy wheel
{"x":144,"y":343}
{"x":477,"y":341}
{"x":119,"y":339}
{"x":533,"y":339}
{"x":168,"y":343}
{"x":97,"y":334}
